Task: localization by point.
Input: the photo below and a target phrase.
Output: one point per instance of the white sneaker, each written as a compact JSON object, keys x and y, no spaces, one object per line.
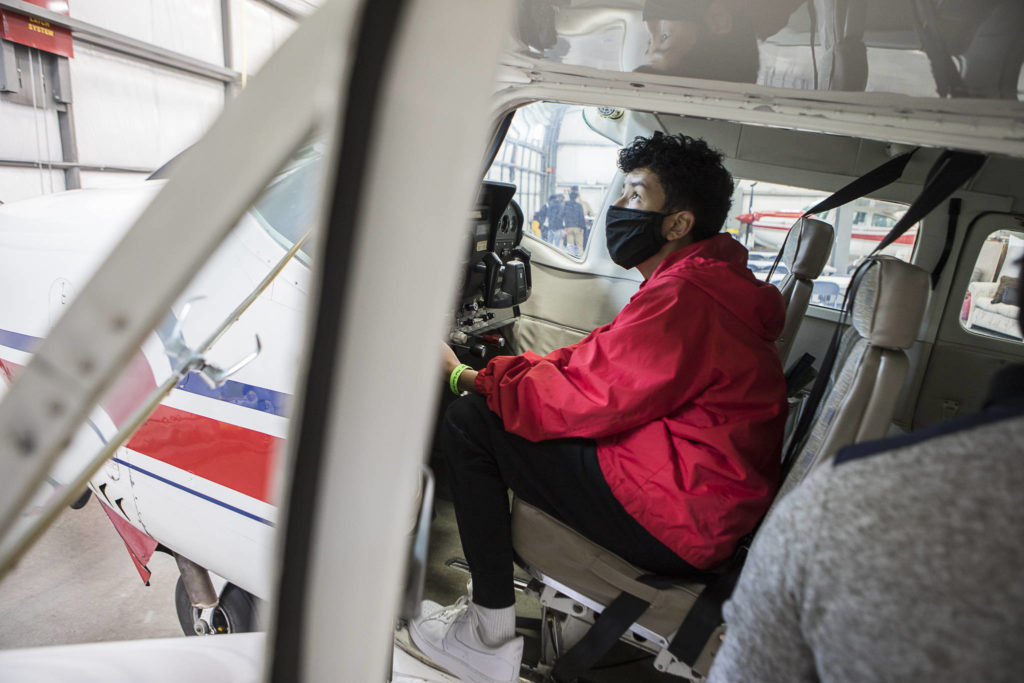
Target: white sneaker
{"x":448,"y":635}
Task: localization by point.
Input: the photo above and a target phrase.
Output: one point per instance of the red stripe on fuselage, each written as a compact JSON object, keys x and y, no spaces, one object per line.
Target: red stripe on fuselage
{"x":132,"y":388}
{"x":134,"y":385}
{"x":238,"y":458}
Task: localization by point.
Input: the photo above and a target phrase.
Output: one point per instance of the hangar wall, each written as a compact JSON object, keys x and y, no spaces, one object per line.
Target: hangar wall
{"x":146,"y":80}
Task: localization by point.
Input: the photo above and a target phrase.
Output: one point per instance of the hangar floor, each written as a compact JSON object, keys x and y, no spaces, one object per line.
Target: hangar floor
{"x":78,"y":585}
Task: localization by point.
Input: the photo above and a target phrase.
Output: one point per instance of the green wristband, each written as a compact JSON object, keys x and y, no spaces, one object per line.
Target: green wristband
{"x":453,"y":379}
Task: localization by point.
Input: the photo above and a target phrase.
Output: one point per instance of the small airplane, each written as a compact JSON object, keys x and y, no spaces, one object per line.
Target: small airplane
{"x":208,"y":475}
{"x":206,"y":457}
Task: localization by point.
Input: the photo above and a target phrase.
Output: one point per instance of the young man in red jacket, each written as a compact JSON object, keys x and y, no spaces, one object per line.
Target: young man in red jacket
{"x":657,"y":436}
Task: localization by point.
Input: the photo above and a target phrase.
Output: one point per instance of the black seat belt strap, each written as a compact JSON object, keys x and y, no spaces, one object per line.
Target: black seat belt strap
{"x":950,"y":171}
{"x":947,"y":247}
{"x":796,"y":376}
{"x":706,"y":614}
{"x":872,"y":181}
{"x":614,"y":621}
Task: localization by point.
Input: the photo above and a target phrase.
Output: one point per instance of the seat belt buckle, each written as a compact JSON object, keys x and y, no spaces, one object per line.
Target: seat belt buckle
{"x":666,"y":663}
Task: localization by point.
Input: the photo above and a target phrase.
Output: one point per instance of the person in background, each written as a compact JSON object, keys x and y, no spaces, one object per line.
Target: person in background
{"x":549,"y":217}
{"x":573,"y":219}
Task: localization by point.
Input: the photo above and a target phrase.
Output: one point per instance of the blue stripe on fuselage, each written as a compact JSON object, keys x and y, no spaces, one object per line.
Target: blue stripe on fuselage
{"x":237,"y":393}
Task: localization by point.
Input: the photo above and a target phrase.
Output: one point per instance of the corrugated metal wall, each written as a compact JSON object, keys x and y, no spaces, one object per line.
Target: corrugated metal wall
{"x":134,"y":103}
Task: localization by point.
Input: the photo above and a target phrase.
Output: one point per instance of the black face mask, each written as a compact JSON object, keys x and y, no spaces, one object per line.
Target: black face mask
{"x":633,"y":235}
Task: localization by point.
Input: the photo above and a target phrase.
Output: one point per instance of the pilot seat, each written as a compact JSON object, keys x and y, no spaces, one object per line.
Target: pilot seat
{"x":580,"y":583}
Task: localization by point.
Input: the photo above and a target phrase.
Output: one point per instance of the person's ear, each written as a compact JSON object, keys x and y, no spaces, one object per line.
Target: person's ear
{"x":677,"y":225}
{"x":718,"y":18}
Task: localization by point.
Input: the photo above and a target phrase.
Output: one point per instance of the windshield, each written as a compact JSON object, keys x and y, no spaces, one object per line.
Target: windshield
{"x":288,"y":207}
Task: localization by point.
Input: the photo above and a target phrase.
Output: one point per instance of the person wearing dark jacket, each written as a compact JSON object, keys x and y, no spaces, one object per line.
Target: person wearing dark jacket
{"x":574,"y":219}
{"x":549,"y":219}
{"x":657,"y":436}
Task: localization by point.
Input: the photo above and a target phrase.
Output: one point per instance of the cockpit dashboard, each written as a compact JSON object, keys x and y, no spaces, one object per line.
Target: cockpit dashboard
{"x":498,"y":277}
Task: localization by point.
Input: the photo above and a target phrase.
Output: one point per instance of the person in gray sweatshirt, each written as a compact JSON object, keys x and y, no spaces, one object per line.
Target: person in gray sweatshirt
{"x":898,"y":561}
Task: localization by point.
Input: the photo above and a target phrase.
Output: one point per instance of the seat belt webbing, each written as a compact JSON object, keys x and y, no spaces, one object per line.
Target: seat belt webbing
{"x":706,"y":614}
{"x":949,"y":172}
{"x":947,"y":247}
{"x":797,"y":375}
{"x":599,"y":639}
{"x":700,"y":622}
{"x":872,"y":181}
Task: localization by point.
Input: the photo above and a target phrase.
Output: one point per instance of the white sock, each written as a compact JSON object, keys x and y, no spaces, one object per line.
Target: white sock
{"x":495,"y":627}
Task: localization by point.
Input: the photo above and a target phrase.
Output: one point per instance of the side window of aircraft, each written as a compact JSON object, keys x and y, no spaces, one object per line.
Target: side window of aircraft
{"x":562,"y":170}
{"x":763,"y":213}
{"x":288,"y":207}
{"x":992,"y":300}
{"x":882,"y":220}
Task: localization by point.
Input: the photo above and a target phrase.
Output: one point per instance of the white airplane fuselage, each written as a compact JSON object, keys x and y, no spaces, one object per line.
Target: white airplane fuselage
{"x":198,"y":475}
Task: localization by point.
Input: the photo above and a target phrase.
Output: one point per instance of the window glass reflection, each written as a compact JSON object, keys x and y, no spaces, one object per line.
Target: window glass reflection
{"x":925,"y":48}
{"x":992,"y":301}
{"x":561,"y":169}
{"x":763,"y":214}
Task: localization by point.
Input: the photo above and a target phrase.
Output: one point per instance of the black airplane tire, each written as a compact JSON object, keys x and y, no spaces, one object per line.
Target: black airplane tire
{"x":237,"y":612}
{"x":80,"y":502}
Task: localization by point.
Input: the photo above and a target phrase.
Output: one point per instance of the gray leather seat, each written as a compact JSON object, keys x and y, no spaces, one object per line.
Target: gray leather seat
{"x":807,"y":251}
{"x":871,"y":364}
{"x":580,"y":577}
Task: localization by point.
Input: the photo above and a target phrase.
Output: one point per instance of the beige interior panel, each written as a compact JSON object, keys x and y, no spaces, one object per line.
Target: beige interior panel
{"x":962,"y":386}
{"x":541,"y":336}
{"x":577,"y":302}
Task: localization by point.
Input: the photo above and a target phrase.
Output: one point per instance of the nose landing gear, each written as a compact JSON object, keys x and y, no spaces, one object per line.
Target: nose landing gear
{"x":237,"y":611}
{"x":202,"y":612}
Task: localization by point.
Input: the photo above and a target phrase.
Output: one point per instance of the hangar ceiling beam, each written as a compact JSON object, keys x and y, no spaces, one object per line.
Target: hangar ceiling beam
{"x":109,"y":40}
{"x":66,"y":165}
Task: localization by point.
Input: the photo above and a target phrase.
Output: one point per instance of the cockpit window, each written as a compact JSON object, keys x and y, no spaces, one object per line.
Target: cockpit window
{"x":763,"y":213}
{"x":288,"y":207}
{"x":922,"y":49}
{"x":992,"y":301}
{"x":562,"y":170}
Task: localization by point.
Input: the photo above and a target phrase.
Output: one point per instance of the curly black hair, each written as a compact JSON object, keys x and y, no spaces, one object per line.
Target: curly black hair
{"x":690,"y":173}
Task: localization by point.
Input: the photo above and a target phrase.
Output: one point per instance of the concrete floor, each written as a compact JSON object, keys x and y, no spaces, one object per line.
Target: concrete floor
{"x":79,"y":585}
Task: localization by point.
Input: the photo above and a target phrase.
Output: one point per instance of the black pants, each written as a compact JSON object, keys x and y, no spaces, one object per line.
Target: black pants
{"x":561,"y":477}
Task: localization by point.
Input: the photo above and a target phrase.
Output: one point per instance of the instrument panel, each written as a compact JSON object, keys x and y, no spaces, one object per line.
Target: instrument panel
{"x":498,"y":276}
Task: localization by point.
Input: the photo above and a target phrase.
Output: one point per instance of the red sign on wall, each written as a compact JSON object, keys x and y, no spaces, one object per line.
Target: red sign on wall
{"x":37,"y":33}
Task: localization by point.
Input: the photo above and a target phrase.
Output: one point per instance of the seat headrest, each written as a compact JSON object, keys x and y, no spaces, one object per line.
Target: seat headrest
{"x":808,"y":247}
{"x":889,"y":302}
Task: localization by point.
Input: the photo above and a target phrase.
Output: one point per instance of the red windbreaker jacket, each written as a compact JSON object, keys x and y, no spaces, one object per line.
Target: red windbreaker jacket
{"x":683,"y":392}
